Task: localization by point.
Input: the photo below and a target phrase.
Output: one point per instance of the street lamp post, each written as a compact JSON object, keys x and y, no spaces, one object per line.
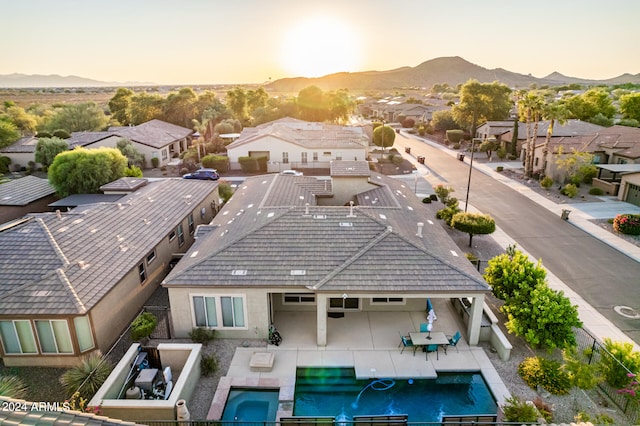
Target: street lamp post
{"x":466,"y":202}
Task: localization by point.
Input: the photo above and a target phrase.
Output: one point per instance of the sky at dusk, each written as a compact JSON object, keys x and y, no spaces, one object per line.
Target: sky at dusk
{"x":255,"y":41}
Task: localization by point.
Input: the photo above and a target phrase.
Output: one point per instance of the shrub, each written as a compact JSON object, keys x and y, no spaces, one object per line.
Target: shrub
{"x":248,"y":164}
{"x":627,"y":223}
{"x":499,"y":169}
{"x":501,"y":153}
{"x":4,"y":164}
{"x":537,"y":174}
{"x":208,"y":365}
{"x":87,"y":376}
{"x":225,"y":191}
{"x":155,"y":161}
{"x":538,"y":371}
{"x":454,"y":136}
{"x":517,"y":410}
{"x":570,"y":190}
{"x":143,"y":326}
{"x":218,"y":162}
{"x":13,"y":387}
{"x":473,"y":224}
{"x":456,"y":146}
{"x":612,"y":366}
{"x":202,"y":335}
{"x":397,"y":159}
{"x":433,"y":197}
{"x":546,"y":182}
{"x":426,"y":200}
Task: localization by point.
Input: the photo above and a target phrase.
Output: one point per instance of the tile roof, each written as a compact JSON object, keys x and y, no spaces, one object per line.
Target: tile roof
{"x":65,"y":263}
{"x":349,"y":168}
{"x":26,"y":144}
{"x":373,"y":246}
{"x":20,"y":192}
{"x":32,"y":413}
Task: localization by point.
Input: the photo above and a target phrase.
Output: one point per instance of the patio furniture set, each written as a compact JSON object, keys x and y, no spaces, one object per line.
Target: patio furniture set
{"x":429,"y":341}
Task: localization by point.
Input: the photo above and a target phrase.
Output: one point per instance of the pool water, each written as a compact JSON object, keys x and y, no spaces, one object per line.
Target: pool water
{"x":336,"y":392}
{"x":251,"y":405}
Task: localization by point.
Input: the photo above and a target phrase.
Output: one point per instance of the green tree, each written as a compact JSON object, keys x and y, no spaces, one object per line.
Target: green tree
{"x":237,"y":102}
{"x":473,"y":224}
{"x":340,"y":106}
{"x":488,"y":146}
{"x":630,"y":106}
{"x":84,"y":117}
{"x":8,"y":133}
{"x":481,"y":102}
{"x":383,"y":136}
{"x":530,"y":107}
{"x":588,"y":105}
{"x":554,"y":112}
{"x":84,"y":171}
{"x":312,"y":105}
{"x":119,"y":105}
{"x":443,"y":120}
{"x":145,"y":107}
{"x":576,"y":165}
{"x":48,"y":148}
{"x":24,"y":121}
{"x":256,"y":99}
{"x":512,"y":271}
{"x":134,"y":157}
{"x":180,"y":107}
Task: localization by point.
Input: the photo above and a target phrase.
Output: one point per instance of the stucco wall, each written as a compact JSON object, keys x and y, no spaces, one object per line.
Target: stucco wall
{"x":633,"y":178}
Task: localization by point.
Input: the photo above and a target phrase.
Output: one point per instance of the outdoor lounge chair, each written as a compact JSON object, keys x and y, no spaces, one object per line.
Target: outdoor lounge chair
{"x":453,"y":341}
{"x":405,"y":341}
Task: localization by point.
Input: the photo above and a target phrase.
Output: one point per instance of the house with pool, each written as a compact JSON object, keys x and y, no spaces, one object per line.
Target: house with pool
{"x":286,"y":245}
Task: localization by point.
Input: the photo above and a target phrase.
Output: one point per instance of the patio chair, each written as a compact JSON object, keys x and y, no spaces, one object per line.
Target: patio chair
{"x":453,"y":341}
{"x":432,"y":348}
{"x":405,"y":341}
{"x":424,"y":328}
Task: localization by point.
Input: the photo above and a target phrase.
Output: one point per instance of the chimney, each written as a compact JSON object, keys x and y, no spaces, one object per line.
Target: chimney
{"x":306,"y":208}
{"x":351,"y":209}
{"x":420,"y":226}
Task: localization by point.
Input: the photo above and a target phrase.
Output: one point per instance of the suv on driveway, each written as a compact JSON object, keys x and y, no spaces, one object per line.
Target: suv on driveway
{"x":203,"y":174}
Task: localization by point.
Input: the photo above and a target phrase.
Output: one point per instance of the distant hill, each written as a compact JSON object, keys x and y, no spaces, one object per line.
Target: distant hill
{"x":53,"y":80}
{"x":450,"y":70}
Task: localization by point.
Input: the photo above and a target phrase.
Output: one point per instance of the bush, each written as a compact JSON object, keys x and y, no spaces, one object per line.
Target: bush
{"x":155,"y":161}
{"x":13,"y":387}
{"x":570,"y":190}
{"x":456,"y":146}
{"x":4,"y":164}
{"x":454,"y":136}
{"x":208,"y":365}
{"x":202,"y":335}
{"x":622,"y":353}
{"x":627,"y":223}
{"x":596,"y":191}
{"x":499,"y":169}
{"x":248,"y":164}
{"x":397,"y":160}
{"x":143,"y":326}
{"x":218,"y":162}
{"x":426,"y":200}
{"x":546,"y":182}
{"x":538,"y":371}
{"x":517,"y":410}
{"x":90,"y":373}
{"x":433,"y":197}
{"x":225,"y":191}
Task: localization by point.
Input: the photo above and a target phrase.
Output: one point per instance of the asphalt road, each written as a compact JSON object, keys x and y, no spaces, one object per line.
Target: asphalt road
{"x":601,"y":275}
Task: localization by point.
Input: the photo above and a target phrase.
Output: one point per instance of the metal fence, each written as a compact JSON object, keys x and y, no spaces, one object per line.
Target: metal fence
{"x":329,"y":423}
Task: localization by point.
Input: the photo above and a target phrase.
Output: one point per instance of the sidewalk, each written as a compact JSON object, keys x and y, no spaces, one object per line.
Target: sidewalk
{"x":580,"y":217}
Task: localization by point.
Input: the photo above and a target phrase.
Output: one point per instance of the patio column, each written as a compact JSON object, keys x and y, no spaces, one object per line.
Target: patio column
{"x":475,"y":319}
{"x":321,"y":322}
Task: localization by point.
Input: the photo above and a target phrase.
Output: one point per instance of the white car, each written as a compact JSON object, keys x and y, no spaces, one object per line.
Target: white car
{"x":292,"y":173}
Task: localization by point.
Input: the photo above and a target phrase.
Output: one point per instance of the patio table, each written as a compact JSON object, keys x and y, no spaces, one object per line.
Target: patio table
{"x":422,"y":339}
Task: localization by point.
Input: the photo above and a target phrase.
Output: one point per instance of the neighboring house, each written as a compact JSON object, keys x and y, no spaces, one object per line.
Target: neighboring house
{"x":154,"y":139}
{"x":357,"y":241}
{"x":24,"y":195}
{"x":289,"y":143}
{"x":392,"y":110}
{"x":630,"y":186}
{"x":71,"y":282}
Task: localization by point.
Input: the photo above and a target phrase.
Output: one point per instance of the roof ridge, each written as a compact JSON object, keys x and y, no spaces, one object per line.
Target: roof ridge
{"x":72,"y":292}
{"x":353,"y":258}
{"x":53,"y":242}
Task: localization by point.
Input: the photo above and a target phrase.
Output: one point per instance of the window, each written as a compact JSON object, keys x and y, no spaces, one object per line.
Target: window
{"x":172,"y":235}
{"x":151,"y":256}
{"x":536,"y":161}
{"x":165,"y":154}
{"x":338,"y":156}
{"x":315,"y":156}
{"x":83,"y":332}
{"x":285,"y":158}
{"x":180,"y":235}
{"x":219,"y":312}
{"x":387,"y":301}
{"x":192,"y":226}
{"x":303,"y":157}
{"x":344,"y":303}
{"x":54,"y":337}
{"x":142,"y":272}
{"x":17,"y":337}
{"x":297,"y":298}
{"x":327,"y":153}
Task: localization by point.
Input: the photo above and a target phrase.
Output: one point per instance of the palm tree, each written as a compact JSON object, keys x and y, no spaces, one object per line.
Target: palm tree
{"x":530,"y":107}
{"x":555,"y":112}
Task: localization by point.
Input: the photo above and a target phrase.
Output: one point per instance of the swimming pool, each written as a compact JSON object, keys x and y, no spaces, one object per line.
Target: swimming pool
{"x":336,"y":392}
{"x":251,"y":405}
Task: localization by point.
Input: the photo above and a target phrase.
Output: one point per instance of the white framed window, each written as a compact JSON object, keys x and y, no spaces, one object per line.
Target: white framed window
{"x":219,"y":312}
{"x":172,"y":236}
{"x":192,"y":226}
{"x":180,"y":235}
{"x":303,"y":157}
{"x":388,"y":301}
{"x":285,"y":158}
{"x":327,"y":153}
{"x":151,"y":256}
{"x":83,"y":332}
{"x":165,"y":154}
{"x":344,"y":304}
{"x":54,"y":336}
{"x":338,"y":156}
{"x":142,"y":272}
{"x":315,"y":156}
{"x":299,"y":299}
{"x":17,"y":337}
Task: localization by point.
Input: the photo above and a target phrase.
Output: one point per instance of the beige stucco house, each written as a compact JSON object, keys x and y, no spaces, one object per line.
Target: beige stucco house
{"x":358,"y":241}
{"x":290,"y":143}
{"x":70,"y":282}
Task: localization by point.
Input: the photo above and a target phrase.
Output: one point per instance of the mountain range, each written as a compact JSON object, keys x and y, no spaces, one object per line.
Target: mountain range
{"x":449,"y":70}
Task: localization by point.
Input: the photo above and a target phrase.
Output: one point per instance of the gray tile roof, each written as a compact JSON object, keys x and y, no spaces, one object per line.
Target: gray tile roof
{"x":349,"y":168}
{"x":23,"y":191}
{"x":371,"y":247}
{"x":65,"y":263}
{"x":26,"y":144}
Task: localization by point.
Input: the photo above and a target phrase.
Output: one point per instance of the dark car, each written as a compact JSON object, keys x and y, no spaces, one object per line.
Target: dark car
{"x":203,"y":174}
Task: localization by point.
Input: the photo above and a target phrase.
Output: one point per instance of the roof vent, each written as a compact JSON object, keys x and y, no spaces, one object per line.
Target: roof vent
{"x":306,"y":208}
{"x":146,"y":221}
{"x":82,"y":264}
{"x":239,"y":272}
{"x":420,"y":226}
{"x":58,"y":215}
{"x":351,"y":209}
{"x":123,"y":247}
{"x":298,"y":272}
{"x":319,"y":216}
{"x":119,"y":238}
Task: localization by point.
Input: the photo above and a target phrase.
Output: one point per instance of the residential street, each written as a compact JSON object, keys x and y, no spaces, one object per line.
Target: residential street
{"x":603,"y":276}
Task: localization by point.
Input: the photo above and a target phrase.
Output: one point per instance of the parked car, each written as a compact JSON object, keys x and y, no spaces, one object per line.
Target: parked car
{"x":291,"y":172}
{"x":203,"y":174}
